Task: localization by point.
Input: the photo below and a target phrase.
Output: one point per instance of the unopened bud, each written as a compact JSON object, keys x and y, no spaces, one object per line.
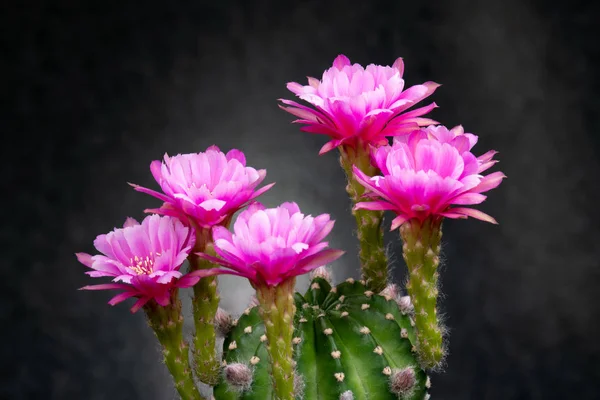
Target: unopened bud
{"x":405,"y":305}
{"x":402,"y":381}
{"x":238,"y":375}
{"x":390,"y":292}
{"x":223,"y":322}
{"x":321,"y":272}
{"x":347,"y":395}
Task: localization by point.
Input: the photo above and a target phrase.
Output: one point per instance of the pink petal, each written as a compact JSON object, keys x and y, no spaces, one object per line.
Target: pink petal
{"x":399,"y":220}
{"x":139,"y":304}
{"x":469,"y":198}
{"x":85,"y":259}
{"x":374,"y":206}
{"x":151,"y":192}
{"x":106,"y":286}
{"x":490,"y":182}
{"x":341,"y":61}
{"x":212,"y":204}
{"x":399,"y":65}
{"x":471,"y":212}
{"x":121,"y":297}
{"x":329,"y":146}
{"x":319,"y":259}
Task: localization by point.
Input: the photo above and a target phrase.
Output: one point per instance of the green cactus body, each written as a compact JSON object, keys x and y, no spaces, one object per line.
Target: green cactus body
{"x":346,"y":340}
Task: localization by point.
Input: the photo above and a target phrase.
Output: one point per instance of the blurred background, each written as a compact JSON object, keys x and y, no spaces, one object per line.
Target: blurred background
{"x":95,"y":91}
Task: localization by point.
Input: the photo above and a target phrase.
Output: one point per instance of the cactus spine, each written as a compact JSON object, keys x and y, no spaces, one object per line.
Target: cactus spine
{"x":167,"y":323}
{"x":372,"y":254}
{"x":348,"y":343}
{"x":421,"y":250}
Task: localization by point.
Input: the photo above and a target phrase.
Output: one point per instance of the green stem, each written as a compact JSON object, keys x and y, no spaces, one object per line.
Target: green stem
{"x":277,"y":309}
{"x":167,"y":323}
{"x":373,"y":259}
{"x":204,"y":304}
{"x":421,"y":252}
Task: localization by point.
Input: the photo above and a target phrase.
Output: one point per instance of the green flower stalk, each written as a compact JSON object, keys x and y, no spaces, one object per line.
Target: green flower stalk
{"x":373,"y":259}
{"x":204,"y":305}
{"x":277,"y":309}
{"x":421,"y":251}
{"x":167,"y":323}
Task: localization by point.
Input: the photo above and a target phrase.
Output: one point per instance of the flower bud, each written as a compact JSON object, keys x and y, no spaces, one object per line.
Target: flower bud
{"x":238,"y":375}
{"x":402,"y":381}
{"x":223,"y":322}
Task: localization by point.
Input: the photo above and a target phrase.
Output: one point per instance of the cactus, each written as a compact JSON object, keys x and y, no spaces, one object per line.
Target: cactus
{"x":349,"y":343}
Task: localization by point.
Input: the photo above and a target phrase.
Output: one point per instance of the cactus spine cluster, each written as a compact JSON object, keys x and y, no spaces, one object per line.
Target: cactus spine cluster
{"x":348,"y":343}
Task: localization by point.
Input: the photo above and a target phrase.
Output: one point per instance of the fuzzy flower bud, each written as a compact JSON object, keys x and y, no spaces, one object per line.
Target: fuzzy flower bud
{"x":405,"y":305}
{"x":402,"y":381}
{"x":321,"y":272}
{"x":223,"y":322}
{"x":347,"y":395}
{"x":238,"y":375}
{"x":391,"y":291}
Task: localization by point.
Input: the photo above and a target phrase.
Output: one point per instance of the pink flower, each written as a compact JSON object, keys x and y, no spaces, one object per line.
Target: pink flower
{"x":143,"y":260}
{"x":270,"y":245}
{"x":355,"y":104}
{"x":428,"y":171}
{"x":208,"y":187}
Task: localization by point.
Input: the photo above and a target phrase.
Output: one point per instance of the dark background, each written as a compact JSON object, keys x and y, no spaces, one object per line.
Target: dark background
{"x":97,"y":91}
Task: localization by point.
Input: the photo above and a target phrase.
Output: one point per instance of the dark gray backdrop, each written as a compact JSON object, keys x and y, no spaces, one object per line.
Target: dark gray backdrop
{"x":97,"y":91}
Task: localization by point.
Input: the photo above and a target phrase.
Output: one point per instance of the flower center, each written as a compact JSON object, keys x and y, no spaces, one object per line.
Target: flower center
{"x":143,"y":266}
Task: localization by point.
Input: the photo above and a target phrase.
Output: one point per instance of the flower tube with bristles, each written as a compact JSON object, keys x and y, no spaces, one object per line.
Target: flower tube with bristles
{"x":372,"y":255}
{"x":277,"y":309}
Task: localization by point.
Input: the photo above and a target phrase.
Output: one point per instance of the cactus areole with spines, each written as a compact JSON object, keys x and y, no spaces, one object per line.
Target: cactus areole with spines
{"x":341,"y":347}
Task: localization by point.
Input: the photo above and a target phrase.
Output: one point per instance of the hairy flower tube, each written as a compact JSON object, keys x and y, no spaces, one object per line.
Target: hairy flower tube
{"x":143,"y":260}
{"x":360,"y":106}
{"x":425,"y":176}
{"x":427,"y":172}
{"x":208,"y":187}
{"x":271,"y":245}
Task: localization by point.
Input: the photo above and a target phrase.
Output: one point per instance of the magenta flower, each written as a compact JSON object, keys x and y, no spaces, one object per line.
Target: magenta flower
{"x":353,"y":104}
{"x":270,"y":245}
{"x":143,"y":260}
{"x":427,"y":172}
{"x":208,"y":187}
